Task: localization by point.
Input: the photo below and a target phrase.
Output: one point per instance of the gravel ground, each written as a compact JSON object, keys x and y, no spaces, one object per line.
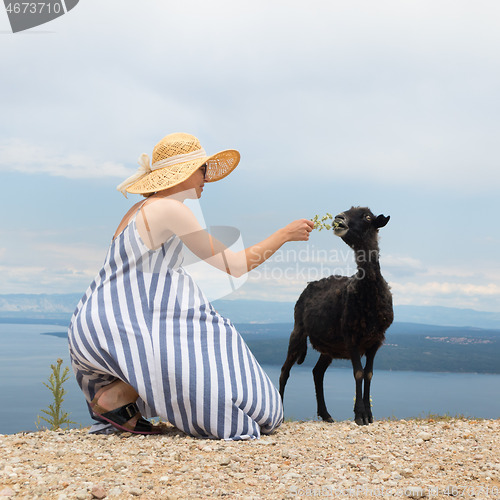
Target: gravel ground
{"x":388,"y":459}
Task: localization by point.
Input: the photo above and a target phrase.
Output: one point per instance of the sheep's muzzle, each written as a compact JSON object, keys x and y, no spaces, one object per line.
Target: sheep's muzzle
{"x":340,"y":226}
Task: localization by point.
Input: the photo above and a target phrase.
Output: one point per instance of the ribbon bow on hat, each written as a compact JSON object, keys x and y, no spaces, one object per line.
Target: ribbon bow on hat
{"x":144,"y":169}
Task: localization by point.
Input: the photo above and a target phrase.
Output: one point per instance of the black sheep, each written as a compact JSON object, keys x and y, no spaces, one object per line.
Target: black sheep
{"x":345,"y":317}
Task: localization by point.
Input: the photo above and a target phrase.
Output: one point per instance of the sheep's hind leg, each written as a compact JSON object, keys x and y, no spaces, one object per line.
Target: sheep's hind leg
{"x":297,"y":349}
{"x":285,"y":372}
{"x":319,"y":374}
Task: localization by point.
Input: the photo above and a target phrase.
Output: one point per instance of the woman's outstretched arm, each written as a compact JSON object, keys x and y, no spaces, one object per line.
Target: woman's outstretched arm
{"x":295,"y":231}
{"x":167,"y":217}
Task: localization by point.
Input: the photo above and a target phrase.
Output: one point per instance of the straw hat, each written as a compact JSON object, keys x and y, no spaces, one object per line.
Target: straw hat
{"x":175,"y":158}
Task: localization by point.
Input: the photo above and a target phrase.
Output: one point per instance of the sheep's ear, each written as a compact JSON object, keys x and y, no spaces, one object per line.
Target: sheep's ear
{"x":381,"y":221}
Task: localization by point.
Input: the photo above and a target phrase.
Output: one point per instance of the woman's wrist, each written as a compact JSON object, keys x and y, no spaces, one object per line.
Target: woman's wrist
{"x":283,"y":235}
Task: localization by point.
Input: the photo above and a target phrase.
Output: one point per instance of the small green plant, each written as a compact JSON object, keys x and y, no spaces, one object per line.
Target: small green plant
{"x":320,"y":224}
{"x":55,"y":417}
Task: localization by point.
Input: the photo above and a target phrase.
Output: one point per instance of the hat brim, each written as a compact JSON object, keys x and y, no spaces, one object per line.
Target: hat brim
{"x":219,"y":165}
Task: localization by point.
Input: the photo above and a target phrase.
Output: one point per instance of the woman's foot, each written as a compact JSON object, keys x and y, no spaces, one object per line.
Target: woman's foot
{"x":105,"y":388}
{"x":115,"y":395}
{"x":115,"y":403}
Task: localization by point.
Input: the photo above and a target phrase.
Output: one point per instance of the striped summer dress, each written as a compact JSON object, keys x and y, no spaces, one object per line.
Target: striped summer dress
{"x":145,"y":321}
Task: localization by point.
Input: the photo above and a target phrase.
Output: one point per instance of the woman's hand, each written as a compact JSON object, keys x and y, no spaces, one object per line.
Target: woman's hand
{"x":298,"y":230}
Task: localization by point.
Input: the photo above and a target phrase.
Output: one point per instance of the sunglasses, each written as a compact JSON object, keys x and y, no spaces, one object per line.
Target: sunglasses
{"x":203,"y":168}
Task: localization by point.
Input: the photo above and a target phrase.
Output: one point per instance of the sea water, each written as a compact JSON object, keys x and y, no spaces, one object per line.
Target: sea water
{"x":26,"y":353}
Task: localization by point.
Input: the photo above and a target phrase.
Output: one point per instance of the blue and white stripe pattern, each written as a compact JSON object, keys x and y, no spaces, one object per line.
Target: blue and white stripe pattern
{"x":145,"y":321}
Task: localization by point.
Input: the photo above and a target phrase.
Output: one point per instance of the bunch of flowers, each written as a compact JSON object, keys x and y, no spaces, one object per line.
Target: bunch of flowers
{"x":322,"y":223}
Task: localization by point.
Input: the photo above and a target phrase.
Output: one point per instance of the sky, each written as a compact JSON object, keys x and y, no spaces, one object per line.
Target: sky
{"x":389,"y":104}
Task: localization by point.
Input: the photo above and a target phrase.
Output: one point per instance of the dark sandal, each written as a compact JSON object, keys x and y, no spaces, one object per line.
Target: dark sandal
{"x":119,"y":418}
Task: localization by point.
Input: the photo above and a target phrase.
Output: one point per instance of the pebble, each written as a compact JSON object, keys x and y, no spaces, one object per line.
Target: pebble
{"x":424,"y":436}
{"x":302,"y":457}
{"x":265,"y":442}
{"x":99,"y":492}
{"x":291,"y":475}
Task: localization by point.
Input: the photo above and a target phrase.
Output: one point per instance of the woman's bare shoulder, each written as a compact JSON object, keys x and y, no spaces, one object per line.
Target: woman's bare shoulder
{"x":169,"y":206}
{"x":172,"y":215}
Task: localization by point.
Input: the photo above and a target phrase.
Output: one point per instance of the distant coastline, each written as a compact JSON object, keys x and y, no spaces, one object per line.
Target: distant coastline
{"x":408,"y":347}
{"x":422,"y":338}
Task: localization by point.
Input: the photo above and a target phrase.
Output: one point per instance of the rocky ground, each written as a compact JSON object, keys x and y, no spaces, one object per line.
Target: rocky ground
{"x":406,"y":459}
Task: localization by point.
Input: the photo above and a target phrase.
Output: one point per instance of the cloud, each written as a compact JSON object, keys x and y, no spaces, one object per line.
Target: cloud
{"x":26,"y":158}
{"x":32,"y":265}
{"x":398,"y":92}
{"x":397,"y":265}
{"x":442,"y":268}
{"x":272,"y":288}
{"x":71,"y":255}
{"x":452,"y":287}
{"x":470,"y":295}
{"x":435,"y":289}
{"x":460,"y":295}
{"x":38,"y":279}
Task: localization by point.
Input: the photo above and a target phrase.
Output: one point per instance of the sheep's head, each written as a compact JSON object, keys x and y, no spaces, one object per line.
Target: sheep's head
{"x":358,"y":226}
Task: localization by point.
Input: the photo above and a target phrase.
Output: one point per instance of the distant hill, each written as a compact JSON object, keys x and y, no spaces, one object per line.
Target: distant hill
{"x":447,"y":316}
{"x":408,"y":347}
{"x":39,"y":306}
{"x":283,"y":330}
{"x":61,"y":306}
{"x":260,"y":311}
{"x":456,"y":340}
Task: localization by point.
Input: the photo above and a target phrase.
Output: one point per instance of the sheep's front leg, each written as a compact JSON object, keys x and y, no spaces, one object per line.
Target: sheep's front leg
{"x":319,"y":374}
{"x":368,"y":374}
{"x":360,"y":415}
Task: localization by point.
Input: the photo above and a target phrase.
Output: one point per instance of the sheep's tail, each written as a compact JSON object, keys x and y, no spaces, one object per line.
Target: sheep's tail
{"x":298,"y":338}
{"x":302,"y":350}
